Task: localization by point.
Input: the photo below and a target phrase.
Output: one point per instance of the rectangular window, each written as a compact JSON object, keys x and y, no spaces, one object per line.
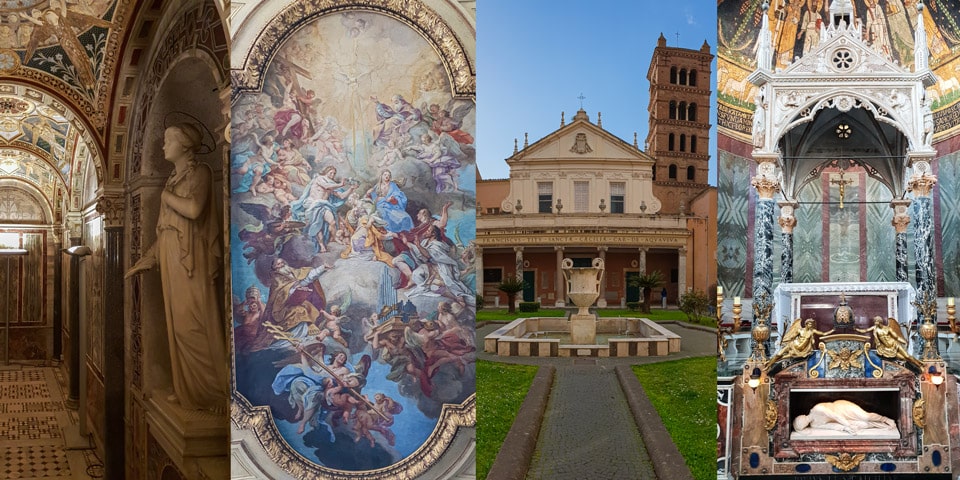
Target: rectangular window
{"x":492,"y":275}
{"x":581,"y":196}
{"x":545,"y":197}
{"x":618,"y":191}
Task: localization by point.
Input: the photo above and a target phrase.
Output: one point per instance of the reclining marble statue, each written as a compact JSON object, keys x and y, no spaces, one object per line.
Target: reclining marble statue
{"x":190,"y":257}
{"x":844,"y":416}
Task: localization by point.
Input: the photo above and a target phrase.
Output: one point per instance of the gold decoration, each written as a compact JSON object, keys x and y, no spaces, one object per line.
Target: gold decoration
{"x":787,"y":224}
{"x":770,"y":416}
{"x":877,"y":368}
{"x":766,"y":187}
{"x":919,"y":417}
{"x":248,"y":76}
{"x":890,"y":340}
{"x":814,"y":371}
{"x":922,"y":185}
{"x":900,"y":222}
{"x":845,"y":462}
{"x":845,"y":359}
{"x":259,"y":420}
{"x":798,"y":341}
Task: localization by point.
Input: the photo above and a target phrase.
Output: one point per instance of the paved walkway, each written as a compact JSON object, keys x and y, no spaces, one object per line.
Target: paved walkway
{"x":32,"y":419}
{"x":588,"y":430}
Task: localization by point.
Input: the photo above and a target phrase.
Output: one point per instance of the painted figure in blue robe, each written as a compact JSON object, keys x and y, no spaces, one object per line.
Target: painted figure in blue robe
{"x":391,"y":203}
{"x":394,"y":122}
{"x":318,"y":205}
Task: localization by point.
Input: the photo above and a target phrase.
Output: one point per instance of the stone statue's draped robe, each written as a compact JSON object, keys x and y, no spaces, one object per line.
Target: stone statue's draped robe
{"x":190,"y":255}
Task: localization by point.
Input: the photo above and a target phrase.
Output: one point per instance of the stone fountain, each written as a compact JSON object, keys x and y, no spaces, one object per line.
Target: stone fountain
{"x":583,"y":334}
{"x":583,"y":287}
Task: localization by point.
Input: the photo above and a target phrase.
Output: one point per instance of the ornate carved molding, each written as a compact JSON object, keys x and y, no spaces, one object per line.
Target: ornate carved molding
{"x":922,"y":184}
{"x":766,"y":187}
{"x":111,"y":206}
{"x":260,"y":421}
{"x":900,"y":222}
{"x":249,"y":77}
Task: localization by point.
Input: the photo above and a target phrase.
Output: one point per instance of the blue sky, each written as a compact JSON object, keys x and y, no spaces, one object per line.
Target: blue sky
{"x":535,"y":57}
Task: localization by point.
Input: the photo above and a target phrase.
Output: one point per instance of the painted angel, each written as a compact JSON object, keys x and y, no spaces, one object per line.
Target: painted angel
{"x":890,"y":341}
{"x":797,"y":342}
{"x":57,"y":22}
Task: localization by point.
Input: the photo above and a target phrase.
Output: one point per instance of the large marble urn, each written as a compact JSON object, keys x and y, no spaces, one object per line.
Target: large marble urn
{"x":583,"y":287}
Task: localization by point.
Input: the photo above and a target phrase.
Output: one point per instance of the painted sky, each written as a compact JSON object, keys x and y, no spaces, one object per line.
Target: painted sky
{"x":535,"y":57}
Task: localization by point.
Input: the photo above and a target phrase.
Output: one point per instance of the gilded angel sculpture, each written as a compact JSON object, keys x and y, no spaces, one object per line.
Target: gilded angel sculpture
{"x":890,"y":341}
{"x":797,"y":342}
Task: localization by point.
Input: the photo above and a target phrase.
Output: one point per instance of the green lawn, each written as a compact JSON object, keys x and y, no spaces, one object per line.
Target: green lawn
{"x":684,"y":393}
{"x":501,"y":389}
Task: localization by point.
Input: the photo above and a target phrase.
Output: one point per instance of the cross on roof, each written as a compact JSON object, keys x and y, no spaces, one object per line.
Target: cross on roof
{"x":581,"y":97}
{"x":678,"y":38}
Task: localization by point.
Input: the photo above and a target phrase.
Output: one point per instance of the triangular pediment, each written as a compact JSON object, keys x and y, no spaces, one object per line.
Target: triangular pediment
{"x":580,"y":141}
{"x":843,"y":54}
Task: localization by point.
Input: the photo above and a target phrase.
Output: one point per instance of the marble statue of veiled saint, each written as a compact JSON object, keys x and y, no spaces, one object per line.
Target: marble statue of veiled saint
{"x":843,"y":416}
{"x":189,"y":255}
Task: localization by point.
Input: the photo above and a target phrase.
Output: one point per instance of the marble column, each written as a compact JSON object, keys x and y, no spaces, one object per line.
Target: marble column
{"x":602,"y":299}
{"x":787,"y":221}
{"x":922,"y":184}
{"x":111,"y":206}
{"x":478,"y":268}
{"x":57,"y":292}
{"x":560,"y":284}
{"x":681,"y":272}
{"x":767,"y":185}
{"x":73,"y":325}
{"x":901,"y":219}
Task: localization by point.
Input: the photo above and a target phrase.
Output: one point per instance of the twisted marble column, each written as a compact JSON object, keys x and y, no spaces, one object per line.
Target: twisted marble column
{"x":766,"y":184}
{"x":922,"y":184}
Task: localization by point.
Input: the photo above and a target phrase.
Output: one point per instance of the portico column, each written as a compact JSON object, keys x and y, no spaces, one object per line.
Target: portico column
{"x":111,"y":206}
{"x":900,"y":221}
{"x":602,"y":300}
{"x":767,"y":185}
{"x":518,"y":254}
{"x":558,"y":278}
{"x":681,"y":272}
{"x":922,"y":183}
{"x":642,"y":263}
{"x":787,"y":222}
{"x":478,"y":268}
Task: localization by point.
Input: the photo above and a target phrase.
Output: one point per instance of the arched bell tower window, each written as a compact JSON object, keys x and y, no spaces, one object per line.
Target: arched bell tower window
{"x":683,"y":76}
{"x":673,"y":110}
{"x":683,"y":142}
{"x":691,"y":172}
{"x":673,"y":75}
{"x":682,"y":113}
{"x":692,"y":112}
{"x":672,"y":172}
{"x":670,"y":143}
{"x":692,"y":81}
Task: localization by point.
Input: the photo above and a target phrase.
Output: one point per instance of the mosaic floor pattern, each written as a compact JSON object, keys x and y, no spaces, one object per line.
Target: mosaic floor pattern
{"x":32,"y":418}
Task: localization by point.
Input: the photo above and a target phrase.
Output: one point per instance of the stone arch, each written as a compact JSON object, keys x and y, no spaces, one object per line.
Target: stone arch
{"x":30,"y":193}
{"x":844,"y":100}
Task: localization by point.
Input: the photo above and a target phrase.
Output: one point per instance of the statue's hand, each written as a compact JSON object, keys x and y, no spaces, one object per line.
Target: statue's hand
{"x":145,"y":263}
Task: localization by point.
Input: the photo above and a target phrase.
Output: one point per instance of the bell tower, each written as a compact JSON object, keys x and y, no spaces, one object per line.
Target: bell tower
{"x":679,"y":131}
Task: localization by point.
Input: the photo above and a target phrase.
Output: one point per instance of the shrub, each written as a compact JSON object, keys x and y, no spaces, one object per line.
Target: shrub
{"x":529,"y":306}
{"x":696,"y":305}
{"x":479,"y":302}
{"x":634,"y":305}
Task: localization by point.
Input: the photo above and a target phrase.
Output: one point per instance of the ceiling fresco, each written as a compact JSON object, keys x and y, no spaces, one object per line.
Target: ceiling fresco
{"x":70,"y":46}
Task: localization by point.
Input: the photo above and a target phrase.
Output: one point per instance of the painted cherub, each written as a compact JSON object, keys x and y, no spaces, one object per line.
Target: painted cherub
{"x":331,"y":325}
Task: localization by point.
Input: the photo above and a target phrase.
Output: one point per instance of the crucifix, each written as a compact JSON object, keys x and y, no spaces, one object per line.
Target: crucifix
{"x":841,"y":183}
{"x":581,"y":97}
{"x":678,"y":38}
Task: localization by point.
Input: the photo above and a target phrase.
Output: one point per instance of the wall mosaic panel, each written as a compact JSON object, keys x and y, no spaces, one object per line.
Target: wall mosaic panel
{"x":732,"y":212}
{"x":352,"y":213}
{"x":948,"y":188}
{"x":795,"y":25}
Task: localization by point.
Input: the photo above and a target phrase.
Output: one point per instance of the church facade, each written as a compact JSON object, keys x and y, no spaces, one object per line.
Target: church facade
{"x":583,"y":193}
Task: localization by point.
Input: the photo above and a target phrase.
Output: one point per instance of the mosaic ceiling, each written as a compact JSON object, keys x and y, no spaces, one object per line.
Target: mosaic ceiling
{"x":37,"y":141}
{"x":69,"y":46}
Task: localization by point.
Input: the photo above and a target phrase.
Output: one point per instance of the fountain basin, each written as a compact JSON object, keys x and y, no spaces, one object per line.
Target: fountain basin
{"x":550,"y":337}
